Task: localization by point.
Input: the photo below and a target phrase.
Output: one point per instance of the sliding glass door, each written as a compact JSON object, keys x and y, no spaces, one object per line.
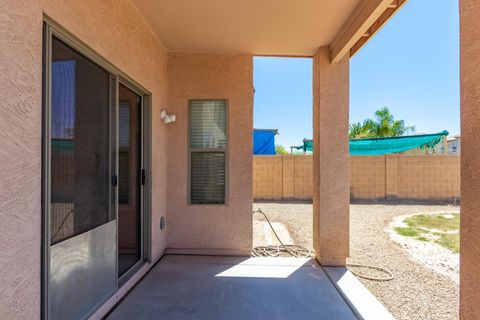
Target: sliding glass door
{"x":93,"y":179}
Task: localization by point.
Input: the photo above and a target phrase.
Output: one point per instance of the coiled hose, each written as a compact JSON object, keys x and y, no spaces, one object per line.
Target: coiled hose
{"x":275,"y":250}
{"x":303,"y":252}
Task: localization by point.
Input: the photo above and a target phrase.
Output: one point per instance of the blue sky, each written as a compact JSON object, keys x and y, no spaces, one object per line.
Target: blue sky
{"x":410,"y":66}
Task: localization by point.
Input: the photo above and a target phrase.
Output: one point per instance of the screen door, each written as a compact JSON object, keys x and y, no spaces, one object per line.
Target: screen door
{"x":82,"y":226}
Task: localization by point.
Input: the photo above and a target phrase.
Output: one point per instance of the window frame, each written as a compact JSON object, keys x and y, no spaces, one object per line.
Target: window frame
{"x":224,"y":150}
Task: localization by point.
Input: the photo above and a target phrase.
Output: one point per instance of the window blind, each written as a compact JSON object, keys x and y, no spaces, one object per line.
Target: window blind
{"x":208,"y":177}
{"x":207,"y":124}
{"x":208,"y":141}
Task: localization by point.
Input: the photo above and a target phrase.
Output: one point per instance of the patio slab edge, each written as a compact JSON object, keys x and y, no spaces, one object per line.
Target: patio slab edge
{"x":362,"y":302}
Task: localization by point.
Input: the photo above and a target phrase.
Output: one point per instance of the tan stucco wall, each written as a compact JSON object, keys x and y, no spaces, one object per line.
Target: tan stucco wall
{"x":118,"y":33}
{"x":331,"y":197}
{"x":20,"y":182}
{"x":470,"y":158}
{"x":203,"y":76}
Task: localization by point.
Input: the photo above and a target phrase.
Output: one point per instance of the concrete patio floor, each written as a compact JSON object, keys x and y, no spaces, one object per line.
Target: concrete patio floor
{"x":205,"y":287}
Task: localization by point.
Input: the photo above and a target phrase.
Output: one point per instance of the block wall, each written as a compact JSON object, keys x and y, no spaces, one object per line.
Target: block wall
{"x":422,"y":177}
{"x":282,"y":177}
{"x":268,"y":177}
{"x":429,"y":177}
{"x":367,"y":177}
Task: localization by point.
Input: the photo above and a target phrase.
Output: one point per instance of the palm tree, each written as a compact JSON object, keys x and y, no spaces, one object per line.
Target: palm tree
{"x":279,"y":149}
{"x":359,"y":130}
{"x":384,"y":125}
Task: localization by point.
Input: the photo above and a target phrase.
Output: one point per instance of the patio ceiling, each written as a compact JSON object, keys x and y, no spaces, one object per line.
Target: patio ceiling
{"x":264,"y":27}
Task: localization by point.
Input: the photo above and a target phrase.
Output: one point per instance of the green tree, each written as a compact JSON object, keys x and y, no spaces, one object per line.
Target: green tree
{"x":384,"y":125}
{"x":279,"y":149}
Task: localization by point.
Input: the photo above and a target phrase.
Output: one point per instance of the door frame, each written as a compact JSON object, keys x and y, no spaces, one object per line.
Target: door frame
{"x":145,"y":134}
{"x":50,"y":29}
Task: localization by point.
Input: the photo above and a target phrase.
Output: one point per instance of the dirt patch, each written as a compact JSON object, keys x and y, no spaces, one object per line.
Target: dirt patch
{"x":430,"y":254}
{"x":264,"y":236}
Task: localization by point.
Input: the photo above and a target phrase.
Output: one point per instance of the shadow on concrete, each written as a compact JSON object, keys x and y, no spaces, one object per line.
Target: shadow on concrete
{"x":204,"y":287}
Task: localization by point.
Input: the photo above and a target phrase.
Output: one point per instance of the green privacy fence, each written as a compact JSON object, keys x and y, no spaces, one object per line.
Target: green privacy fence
{"x":387,"y":145}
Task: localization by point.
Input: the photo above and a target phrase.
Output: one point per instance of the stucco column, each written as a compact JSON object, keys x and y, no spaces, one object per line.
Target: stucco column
{"x":470,"y":159}
{"x":331,"y":194}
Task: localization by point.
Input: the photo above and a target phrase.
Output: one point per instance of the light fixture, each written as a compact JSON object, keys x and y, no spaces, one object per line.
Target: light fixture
{"x":167,"y":118}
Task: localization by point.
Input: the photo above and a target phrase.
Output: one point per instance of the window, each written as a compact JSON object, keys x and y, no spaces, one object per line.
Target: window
{"x":208,"y":143}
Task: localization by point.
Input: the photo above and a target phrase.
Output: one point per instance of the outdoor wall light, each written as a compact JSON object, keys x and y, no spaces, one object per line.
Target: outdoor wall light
{"x":167,"y":118}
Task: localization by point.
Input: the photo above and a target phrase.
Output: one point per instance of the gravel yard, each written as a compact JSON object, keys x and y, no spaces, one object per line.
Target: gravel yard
{"x":417,"y":292}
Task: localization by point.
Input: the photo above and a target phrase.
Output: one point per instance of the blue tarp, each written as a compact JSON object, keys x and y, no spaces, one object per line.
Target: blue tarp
{"x":264,"y":141}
